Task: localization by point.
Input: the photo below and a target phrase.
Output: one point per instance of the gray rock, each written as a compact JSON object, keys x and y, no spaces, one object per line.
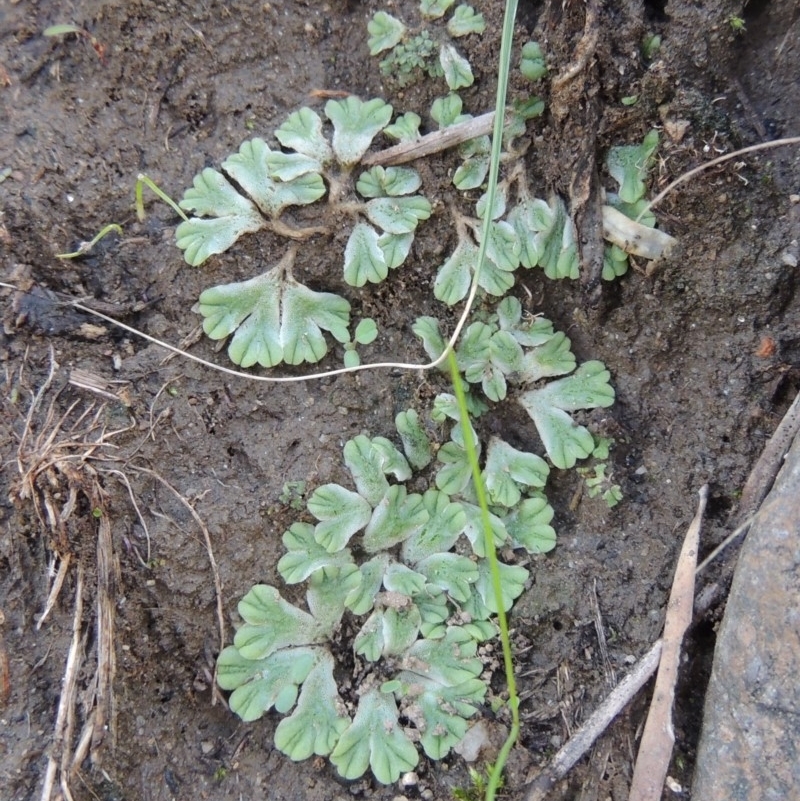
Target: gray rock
{"x":751,"y":728}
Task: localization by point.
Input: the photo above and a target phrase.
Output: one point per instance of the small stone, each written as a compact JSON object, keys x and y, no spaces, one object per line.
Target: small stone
{"x":474,"y":740}
{"x":206,"y":747}
{"x":409,"y":779}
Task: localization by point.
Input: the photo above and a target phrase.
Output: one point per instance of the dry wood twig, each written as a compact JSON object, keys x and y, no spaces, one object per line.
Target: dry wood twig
{"x":769,"y":463}
{"x":575,"y":748}
{"x":599,"y":721}
{"x":433,"y":142}
{"x":658,"y":739}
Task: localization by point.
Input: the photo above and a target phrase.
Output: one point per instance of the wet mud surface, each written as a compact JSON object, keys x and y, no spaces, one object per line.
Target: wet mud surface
{"x":703,"y":353}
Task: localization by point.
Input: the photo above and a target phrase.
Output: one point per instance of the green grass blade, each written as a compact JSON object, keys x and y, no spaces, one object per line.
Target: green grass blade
{"x":491,"y":555}
{"x":87,"y":246}
{"x":141,"y":181}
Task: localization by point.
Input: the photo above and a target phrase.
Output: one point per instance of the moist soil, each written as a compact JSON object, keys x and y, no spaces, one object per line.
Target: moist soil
{"x":702,"y":347}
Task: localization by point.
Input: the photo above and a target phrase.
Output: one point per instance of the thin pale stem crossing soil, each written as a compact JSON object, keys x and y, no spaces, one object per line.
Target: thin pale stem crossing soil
{"x":207,"y":537}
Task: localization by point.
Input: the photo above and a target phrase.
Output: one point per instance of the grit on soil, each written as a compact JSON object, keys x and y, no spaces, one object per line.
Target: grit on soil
{"x":703,"y":354}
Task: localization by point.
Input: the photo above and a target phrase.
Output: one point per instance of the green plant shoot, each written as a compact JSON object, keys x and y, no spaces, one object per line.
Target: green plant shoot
{"x":496,"y":777}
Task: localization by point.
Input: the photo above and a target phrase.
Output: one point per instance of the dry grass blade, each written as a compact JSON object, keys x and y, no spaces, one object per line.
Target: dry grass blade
{"x":55,"y":588}
{"x":107,"y":575}
{"x":124,"y":479}
{"x":658,"y":739}
{"x":35,"y":403}
{"x":67,"y":700}
{"x":687,"y":176}
{"x":61,"y":458}
{"x":608,"y":668}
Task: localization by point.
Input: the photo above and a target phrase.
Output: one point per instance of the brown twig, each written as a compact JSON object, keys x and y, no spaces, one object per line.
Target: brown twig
{"x":599,"y":721}
{"x":658,"y":739}
{"x":763,"y":474}
{"x":575,"y":748}
{"x":433,"y":142}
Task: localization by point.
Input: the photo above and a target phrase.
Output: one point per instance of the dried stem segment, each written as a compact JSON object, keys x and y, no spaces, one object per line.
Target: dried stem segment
{"x":601,"y":718}
{"x":434,"y":142}
{"x":655,"y":749}
{"x":68,"y":694}
{"x":763,"y":474}
{"x":577,"y":746}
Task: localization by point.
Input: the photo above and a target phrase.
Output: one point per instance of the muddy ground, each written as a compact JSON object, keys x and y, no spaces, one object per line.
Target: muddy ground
{"x":703,"y":353}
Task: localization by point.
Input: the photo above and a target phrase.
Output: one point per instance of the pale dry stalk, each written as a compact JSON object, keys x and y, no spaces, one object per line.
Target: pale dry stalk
{"x":68,"y":691}
{"x":658,"y":739}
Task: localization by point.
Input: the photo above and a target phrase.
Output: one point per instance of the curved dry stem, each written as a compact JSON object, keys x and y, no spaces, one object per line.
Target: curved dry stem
{"x":793,"y":140}
{"x":209,"y":550}
{"x":263,"y":378}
